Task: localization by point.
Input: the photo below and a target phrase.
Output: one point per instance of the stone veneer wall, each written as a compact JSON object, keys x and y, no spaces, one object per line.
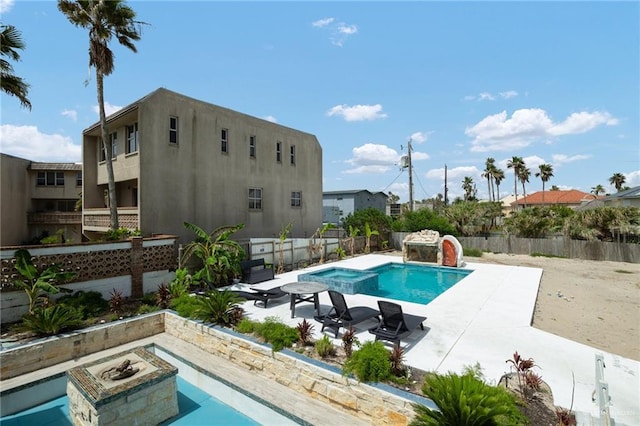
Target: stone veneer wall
{"x":357,"y":399}
{"x":47,"y":352}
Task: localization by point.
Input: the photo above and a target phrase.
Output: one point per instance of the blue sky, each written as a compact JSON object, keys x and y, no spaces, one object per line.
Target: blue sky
{"x":550,"y":82}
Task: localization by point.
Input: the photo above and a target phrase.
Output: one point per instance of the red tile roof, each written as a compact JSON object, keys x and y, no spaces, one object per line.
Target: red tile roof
{"x":569,"y":197}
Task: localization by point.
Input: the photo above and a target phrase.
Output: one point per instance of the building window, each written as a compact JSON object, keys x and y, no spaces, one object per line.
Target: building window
{"x":132,"y":138}
{"x":252,"y":146}
{"x":101,"y":156}
{"x":50,"y":179}
{"x":296,"y":199}
{"x":79,"y":178}
{"x":173,"y":130}
{"x":114,"y":144}
{"x":224,"y":140}
{"x":293,"y":155}
{"x":279,"y":152}
{"x":255,"y":198}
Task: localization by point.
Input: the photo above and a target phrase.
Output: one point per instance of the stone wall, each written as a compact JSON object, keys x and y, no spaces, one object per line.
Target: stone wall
{"x":357,"y":399}
{"x":47,"y":352}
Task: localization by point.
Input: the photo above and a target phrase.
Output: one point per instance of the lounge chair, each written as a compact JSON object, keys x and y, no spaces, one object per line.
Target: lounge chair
{"x":341,"y":315}
{"x":256,"y":271}
{"x":260,"y":295}
{"x":395,"y":324}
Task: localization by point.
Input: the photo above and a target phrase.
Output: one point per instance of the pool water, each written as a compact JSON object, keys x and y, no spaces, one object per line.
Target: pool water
{"x":414,"y":283}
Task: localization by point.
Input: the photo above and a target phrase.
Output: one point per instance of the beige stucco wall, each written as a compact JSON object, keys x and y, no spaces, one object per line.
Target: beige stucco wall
{"x":14,"y":187}
{"x":193,"y":181}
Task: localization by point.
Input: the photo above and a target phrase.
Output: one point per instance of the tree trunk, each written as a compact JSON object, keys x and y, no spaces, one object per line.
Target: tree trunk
{"x":106,"y":145}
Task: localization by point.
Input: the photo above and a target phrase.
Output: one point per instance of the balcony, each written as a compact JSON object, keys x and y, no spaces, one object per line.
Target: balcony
{"x":98,"y":219}
{"x":54,"y":218}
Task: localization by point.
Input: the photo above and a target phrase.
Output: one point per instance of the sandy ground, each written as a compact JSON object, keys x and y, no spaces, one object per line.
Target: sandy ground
{"x":595,"y":303}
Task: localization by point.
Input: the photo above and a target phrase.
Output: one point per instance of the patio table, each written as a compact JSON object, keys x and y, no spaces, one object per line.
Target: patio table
{"x":304,"y":291}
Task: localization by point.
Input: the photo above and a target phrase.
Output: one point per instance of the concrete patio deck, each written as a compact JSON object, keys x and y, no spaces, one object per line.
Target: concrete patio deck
{"x":484,"y":319}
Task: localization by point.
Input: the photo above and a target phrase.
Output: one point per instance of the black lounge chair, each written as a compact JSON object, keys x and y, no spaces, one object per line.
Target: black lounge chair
{"x":395,"y":324}
{"x":341,"y":315}
{"x":256,"y":271}
{"x":261,"y":295}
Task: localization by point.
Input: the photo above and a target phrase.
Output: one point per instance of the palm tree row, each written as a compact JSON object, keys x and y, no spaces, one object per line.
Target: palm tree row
{"x":10,"y":43}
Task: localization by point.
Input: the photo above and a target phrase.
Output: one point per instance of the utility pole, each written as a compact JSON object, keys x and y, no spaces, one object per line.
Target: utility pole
{"x":446,"y":200}
{"x":410,"y":178}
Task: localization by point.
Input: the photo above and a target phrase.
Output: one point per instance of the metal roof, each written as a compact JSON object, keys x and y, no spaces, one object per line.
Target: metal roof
{"x":55,"y":166}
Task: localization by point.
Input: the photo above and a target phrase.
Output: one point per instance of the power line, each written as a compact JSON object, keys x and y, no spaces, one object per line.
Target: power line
{"x":401,"y":170}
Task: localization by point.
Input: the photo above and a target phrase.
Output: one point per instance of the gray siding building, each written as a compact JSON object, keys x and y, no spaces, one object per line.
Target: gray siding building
{"x":338,"y":204}
{"x":177,"y":159}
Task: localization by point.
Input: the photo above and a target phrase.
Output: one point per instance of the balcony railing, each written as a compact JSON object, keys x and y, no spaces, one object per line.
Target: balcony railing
{"x":99,"y":219}
{"x":54,"y":218}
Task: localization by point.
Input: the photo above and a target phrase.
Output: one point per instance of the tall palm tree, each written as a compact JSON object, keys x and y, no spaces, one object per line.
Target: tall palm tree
{"x":597,"y":190}
{"x":105,"y":19}
{"x":523,"y":176}
{"x":545,"y":173}
{"x":516,"y":163}
{"x":468,"y":187}
{"x":617,"y":180}
{"x":498,"y":177}
{"x":488,"y":173}
{"x":10,"y":43}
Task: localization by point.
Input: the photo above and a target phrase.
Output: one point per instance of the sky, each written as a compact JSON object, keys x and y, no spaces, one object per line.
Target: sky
{"x":551,"y":82}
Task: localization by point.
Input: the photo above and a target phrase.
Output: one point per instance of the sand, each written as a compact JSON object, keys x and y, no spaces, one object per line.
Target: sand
{"x":595,"y":303}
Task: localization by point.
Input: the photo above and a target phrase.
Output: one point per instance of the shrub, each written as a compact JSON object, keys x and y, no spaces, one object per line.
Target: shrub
{"x":472,"y":252}
{"x":278,"y":334}
{"x":218,"y":307}
{"x":52,"y":320}
{"x":146,"y":309}
{"x":463,"y":400}
{"x":88,"y":303}
{"x":184,"y":305}
{"x":246,"y":326}
{"x":396,"y":357}
{"x":348,"y":340}
{"x":370,"y":363}
{"x":325,"y":347}
{"x":163,"y":296}
{"x":115,"y":301}
{"x":305,"y":331}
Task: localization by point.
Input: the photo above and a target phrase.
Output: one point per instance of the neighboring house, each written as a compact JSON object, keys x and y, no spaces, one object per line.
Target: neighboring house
{"x":626,"y":198}
{"x":177,"y":159}
{"x":571,"y":198}
{"x":336,"y":205}
{"x":38,"y":200}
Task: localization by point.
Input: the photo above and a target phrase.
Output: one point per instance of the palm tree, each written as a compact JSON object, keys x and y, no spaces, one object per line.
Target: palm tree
{"x":598,"y":189}
{"x":104,"y":20}
{"x":488,"y":173}
{"x":617,"y":180}
{"x":545,"y":173}
{"x":10,"y":43}
{"x":523,"y":176}
{"x":468,"y":187}
{"x":498,"y":177}
{"x":516,"y":163}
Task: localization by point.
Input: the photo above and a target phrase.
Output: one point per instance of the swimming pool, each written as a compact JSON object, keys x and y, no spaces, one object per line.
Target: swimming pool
{"x":414,"y":283}
{"x":196,"y":402}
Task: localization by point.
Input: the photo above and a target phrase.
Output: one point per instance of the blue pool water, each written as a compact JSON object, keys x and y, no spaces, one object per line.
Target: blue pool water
{"x":196,"y":407}
{"x":414,"y":283}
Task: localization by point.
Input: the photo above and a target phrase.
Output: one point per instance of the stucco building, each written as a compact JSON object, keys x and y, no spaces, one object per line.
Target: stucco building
{"x":39,"y":200}
{"x":177,"y":159}
{"x":336,"y":205}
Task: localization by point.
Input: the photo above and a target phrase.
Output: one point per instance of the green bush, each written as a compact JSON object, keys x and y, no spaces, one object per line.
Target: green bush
{"x":185,"y":305}
{"x":370,"y":363}
{"x":246,"y":326}
{"x":218,"y":307}
{"x":472,"y":252}
{"x":278,"y":334}
{"x":466,"y":400}
{"x":146,"y":309}
{"x":52,"y":320}
{"x":325,"y":347}
{"x":88,"y":303}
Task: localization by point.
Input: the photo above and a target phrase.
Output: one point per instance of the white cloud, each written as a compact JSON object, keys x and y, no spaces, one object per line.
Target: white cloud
{"x":486,"y":96}
{"x":72,"y":114}
{"x":420,"y":137}
{"x":6,"y":5}
{"x":453,"y":173}
{"x":417,"y":156}
{"x":322,"y":22}
{"x":469,"y":98}
{"x":559,"y":159}
{"x":632,"y":178}
{"x":509,"y":94}
{"x":372,"y":158}
{"x":358,"y":112}
{"x":499,"y":133}
{"x":108,"y":108}
{"x":339,"y":32}
{"x":29,"y":143}
{"x":270,"y":118}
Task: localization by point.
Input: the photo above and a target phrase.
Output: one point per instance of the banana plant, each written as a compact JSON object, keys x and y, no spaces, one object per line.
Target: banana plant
{"x":36,"y":282}
{"x":368,"y":232}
